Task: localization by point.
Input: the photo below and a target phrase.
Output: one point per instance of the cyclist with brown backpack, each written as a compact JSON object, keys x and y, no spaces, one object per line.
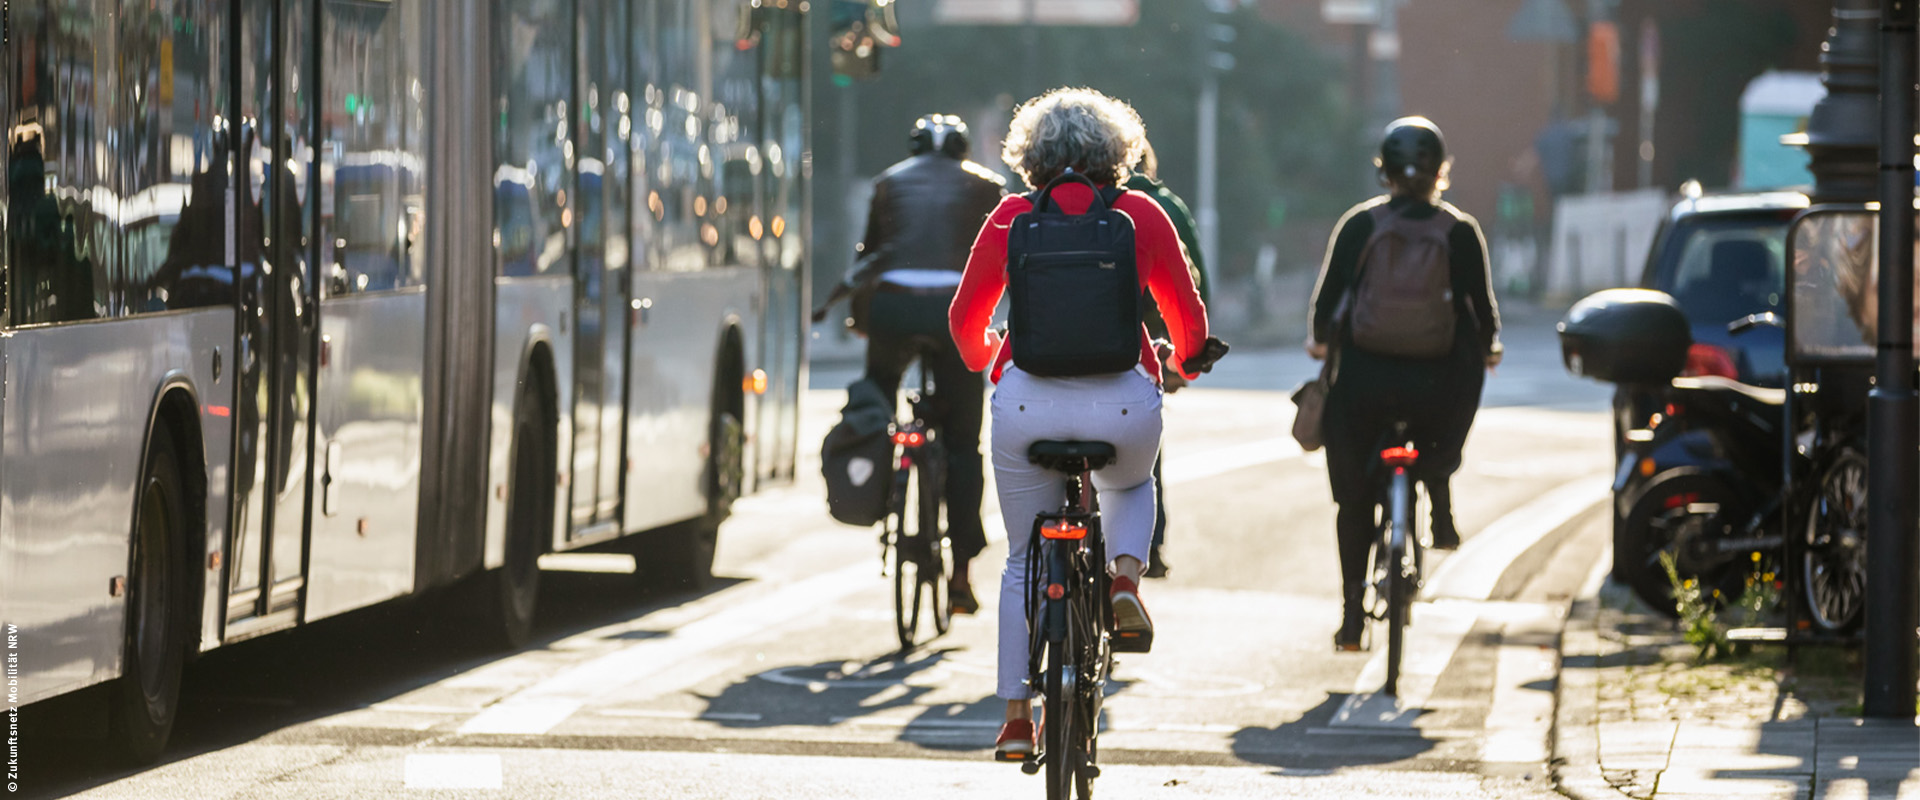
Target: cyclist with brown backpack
{"x":1404,"y":307}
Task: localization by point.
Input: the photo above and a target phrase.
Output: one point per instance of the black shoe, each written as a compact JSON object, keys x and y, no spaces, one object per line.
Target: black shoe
{"x":960,"y":598}
{"x":1348,"y":638}
{"x":1156,"y":566}
{"x":1445,"y":536}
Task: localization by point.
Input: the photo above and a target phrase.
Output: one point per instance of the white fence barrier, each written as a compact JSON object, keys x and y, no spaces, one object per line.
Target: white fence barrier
{"x":1600,"y":241}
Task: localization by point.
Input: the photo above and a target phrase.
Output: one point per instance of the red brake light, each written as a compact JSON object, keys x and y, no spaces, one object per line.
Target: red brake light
{"x":1056,"y":591}
{"x":1399,"y":456}
{"x":1063,"y":530}
{"x":1707,"y":359}
{"x":909,"y":438}
{"x":1683,"y":499}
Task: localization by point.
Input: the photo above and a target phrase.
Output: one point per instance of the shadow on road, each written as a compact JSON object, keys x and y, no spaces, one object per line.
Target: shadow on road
{"x":252,"y":689}
{"x":1312,"y":745}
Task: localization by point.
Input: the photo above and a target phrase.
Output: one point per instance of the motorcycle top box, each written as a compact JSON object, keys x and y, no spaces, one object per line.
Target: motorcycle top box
{"x":1632,"y":336}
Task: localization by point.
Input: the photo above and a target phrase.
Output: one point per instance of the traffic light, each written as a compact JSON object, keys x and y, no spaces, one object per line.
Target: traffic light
{"x":860,"y":29}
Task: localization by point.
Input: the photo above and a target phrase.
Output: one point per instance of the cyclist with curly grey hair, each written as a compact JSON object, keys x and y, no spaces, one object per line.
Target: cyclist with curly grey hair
{"x":1098,"y":137}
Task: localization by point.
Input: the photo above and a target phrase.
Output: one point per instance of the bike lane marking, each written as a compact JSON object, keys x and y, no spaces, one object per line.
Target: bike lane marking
{"x":1456,"y":597}
{"x":683,"y":658}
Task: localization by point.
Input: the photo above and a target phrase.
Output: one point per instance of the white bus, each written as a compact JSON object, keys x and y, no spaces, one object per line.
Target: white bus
{"x":313,"y":304}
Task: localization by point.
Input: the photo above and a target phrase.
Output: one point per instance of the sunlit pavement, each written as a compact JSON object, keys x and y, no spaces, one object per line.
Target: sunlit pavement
{"x":783,"y":681}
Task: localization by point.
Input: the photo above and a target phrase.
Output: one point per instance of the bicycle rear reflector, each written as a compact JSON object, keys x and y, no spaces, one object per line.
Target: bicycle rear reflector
{"x":910,"y":438}
{"x":1399,"y":456}
{"x":1063,"y":530}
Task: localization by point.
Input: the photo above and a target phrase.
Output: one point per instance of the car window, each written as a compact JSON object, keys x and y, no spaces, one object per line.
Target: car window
{"x":1723,"y":269}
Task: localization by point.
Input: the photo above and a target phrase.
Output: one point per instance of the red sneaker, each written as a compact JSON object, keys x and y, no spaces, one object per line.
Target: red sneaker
{"x":1132,"y":628}
{"x":1016,"y":741}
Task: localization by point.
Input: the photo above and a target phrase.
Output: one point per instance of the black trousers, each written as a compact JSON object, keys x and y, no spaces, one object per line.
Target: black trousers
{"x":905,"y":324}
{"x":1438,"y":399}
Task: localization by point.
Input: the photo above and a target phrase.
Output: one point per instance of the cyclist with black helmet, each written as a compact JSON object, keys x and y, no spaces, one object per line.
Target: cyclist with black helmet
{"x":1423,"y":366}
{"x":920,"y":228}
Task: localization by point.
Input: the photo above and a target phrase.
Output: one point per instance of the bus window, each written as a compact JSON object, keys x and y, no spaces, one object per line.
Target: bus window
{"x":534,"y":81}
{"x":374,"y":141}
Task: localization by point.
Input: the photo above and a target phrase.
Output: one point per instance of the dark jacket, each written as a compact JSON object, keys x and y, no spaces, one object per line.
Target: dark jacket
{"x":925,"y":214}
{"x":1182,"y":224}
{"x":1478,"y":314}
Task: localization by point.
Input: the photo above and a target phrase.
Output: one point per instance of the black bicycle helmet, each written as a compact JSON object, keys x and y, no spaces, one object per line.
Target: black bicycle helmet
{"x":944,"y":133}
{"x":1413,"y":146}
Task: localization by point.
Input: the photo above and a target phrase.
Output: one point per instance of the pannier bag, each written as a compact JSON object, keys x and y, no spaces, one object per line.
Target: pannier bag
{"x":1075,"y":287}
{"x":1403,"y":298}
{"x":1630,"y":336}
{"x":857,"y":457}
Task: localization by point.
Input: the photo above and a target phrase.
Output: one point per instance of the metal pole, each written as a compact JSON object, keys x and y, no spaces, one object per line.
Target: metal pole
{"x":1207,"y":215}
{"x":1893,"y":432}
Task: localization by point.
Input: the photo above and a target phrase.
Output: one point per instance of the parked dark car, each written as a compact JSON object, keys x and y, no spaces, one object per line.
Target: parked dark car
{"x":1721,"y":257}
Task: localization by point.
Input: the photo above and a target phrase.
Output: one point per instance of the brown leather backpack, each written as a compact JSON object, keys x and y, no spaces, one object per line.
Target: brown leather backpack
{"x":1402,"y":304}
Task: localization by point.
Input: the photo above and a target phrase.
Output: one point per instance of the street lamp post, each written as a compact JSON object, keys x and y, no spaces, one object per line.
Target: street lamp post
{"x":1893,"y":432}
{"x":1841,"y":136}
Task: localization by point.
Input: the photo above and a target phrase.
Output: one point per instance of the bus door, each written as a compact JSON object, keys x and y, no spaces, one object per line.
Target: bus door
{"x":600,"y":285}
{"x":277,"y":327}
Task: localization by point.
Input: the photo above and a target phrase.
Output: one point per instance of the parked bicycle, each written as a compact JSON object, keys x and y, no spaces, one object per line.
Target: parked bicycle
{"x":922,"y":557}
{"x":1394,"y":564}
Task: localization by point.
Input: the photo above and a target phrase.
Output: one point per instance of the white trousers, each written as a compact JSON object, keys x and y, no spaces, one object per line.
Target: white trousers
{"x":1121,"y":409}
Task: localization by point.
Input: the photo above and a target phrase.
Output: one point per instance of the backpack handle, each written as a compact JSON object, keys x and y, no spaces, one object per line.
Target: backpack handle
{"x":1045,"y":197}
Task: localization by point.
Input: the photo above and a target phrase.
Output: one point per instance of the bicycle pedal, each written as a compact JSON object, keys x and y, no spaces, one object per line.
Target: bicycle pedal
{"x":1030,"y":766}
{"x":1133,"y":641}
{"x":1092,"y":771}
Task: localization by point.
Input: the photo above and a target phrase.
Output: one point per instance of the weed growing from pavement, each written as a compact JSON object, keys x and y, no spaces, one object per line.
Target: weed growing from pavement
{"x":1699,"y":623}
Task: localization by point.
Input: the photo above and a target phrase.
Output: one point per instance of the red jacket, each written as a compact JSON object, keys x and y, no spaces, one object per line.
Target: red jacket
{"x":1162,"y":262}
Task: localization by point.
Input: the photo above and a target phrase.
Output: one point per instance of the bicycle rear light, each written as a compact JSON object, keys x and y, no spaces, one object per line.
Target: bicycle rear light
{"x":1399,"y":456}
{"x":1056,"y":591}
{"x":909,"y":438}
{"x":1062,"y":529}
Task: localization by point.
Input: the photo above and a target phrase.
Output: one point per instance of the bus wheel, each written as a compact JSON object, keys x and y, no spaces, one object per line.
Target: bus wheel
{"x":516,"y":584}
{"x":146,"y":697}
{"x":680,"y":556}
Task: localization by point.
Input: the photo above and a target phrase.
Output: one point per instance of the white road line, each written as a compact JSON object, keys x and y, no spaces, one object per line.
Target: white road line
{"x":1473,"y":571}
{"x":1440,"y":625}
{"x":652,"y":713}
{"x":453,"y":771}
{"x":1199,"y":466}
{"x":538,"y":708}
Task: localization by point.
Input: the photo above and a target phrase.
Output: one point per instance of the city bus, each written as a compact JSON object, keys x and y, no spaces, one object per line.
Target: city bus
{"x":315,"y":304}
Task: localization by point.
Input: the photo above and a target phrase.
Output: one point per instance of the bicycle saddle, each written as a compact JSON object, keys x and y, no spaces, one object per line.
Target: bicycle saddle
{"x":1070,"y":456}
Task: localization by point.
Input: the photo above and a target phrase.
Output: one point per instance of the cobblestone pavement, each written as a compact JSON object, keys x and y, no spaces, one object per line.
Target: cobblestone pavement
{"x":1640,"y":717}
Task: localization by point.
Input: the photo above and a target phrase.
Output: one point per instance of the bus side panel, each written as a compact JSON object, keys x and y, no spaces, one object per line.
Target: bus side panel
{"x":369,"y":405}
{"x":76,"y":414}
{"x":670,"y":394}
{"x":526,"y":311}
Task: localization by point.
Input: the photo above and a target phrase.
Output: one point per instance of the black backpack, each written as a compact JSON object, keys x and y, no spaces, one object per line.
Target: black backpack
{"x":1075,"y":286}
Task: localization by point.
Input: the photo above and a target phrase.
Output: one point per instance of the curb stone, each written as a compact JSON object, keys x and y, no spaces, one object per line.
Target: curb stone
{"x":1576,"y":736}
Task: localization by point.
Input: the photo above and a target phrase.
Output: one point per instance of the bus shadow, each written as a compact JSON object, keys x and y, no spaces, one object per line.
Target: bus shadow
{"x":252,"y":689}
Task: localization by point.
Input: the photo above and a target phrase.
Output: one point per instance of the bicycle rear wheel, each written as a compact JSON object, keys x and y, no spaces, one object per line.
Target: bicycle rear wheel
{"x":1399,"y":581}
{"x":1058,"y":721}
{"x":936,"y":569}
{"x":909,"y":553}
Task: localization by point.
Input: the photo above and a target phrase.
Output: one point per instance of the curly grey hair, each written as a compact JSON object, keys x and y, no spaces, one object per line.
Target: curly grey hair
{"x":1083,"y":129}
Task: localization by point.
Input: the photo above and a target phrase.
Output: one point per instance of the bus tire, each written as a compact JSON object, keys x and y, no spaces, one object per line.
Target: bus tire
{"x":146,"y":697}
{"x":680,"y":557}
{"x":515,"y":586}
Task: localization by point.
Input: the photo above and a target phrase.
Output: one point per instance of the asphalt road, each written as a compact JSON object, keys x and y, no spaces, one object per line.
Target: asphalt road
{"x":784,"y":680}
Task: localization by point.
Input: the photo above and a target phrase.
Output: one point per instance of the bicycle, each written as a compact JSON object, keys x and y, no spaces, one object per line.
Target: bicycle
{"x":1069,"y":620}
{"x":1395,"y":561}
{"x":922,"y":555}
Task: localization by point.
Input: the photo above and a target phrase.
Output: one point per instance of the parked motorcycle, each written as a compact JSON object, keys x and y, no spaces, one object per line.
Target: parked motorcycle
{"x":1706,"y":482}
